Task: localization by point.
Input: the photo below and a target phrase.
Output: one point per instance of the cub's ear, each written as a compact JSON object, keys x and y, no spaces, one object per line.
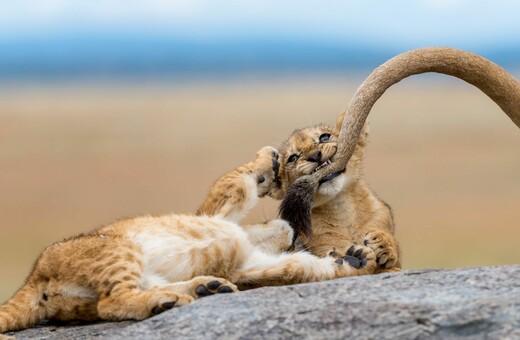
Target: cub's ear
{"x":339,"y":121}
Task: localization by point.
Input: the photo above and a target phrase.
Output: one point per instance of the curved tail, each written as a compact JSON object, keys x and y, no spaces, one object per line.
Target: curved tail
{"x":490,"y":78}
{"x":487,"y":76}
{"x":23,"y":310}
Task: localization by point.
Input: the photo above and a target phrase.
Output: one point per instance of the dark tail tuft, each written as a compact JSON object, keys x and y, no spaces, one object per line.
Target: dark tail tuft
{"x":296,"y":206}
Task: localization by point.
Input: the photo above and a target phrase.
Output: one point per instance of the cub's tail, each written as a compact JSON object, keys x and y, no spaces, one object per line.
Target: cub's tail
{"x":23,"y":310}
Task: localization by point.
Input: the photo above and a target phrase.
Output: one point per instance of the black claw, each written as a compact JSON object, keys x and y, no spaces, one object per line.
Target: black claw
{"x":225,"y":289}
{"x":276,"y":166}
{"x":168,"y":305}
{"x":276,"y":169}
{"x":365,"y":242}
{"x":350,"y":250}
{"x":358,"y":253}
{"x":333,"y":254}
{"x":202,"y":291}
{"x":214,"y":284}
{"x":260,"y":179}
{"x":353,"y":261}
{"x":339,"y":261}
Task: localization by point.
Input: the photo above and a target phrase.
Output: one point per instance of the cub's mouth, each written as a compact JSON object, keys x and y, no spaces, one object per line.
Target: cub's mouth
{"x":322,"y":165}
{"x":330,"y":176}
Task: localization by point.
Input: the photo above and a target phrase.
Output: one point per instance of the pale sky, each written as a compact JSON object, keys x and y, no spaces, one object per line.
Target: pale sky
{"x":398,"y":23}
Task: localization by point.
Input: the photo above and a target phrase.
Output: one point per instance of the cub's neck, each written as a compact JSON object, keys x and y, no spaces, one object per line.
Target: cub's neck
{"x":336,"y":204}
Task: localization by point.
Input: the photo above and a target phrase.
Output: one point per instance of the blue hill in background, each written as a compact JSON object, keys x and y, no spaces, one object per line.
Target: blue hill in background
{"x":117,"y":57}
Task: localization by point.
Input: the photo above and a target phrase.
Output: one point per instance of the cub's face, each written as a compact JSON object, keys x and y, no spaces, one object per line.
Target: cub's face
{"x":306,"y":151}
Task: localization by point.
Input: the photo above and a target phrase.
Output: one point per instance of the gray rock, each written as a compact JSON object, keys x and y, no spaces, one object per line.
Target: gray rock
{"x":472,"y":303}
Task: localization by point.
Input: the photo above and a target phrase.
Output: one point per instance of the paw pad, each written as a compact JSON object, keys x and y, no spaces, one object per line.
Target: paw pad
{"x":202,"y":291}
{"x":225,"y":289}
{"x":214,"y":284}
{"x":164,"y":307}
{"x":354,"y":257}
{"x":213,"y":287}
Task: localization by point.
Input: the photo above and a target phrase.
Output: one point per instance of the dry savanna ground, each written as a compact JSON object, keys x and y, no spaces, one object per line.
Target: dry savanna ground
{"x":75,"y":157}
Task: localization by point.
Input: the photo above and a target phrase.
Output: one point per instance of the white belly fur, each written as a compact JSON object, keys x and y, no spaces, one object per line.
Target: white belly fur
{"x":168,"y":255}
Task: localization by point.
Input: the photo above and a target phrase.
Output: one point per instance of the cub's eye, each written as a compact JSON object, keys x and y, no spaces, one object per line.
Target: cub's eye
{"x":324,"y":137}
{"x":292,"y":158}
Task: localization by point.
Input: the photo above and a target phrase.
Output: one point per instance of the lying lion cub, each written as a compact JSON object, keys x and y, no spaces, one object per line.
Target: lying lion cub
{"x":136,"y":268}
{"x":345,"y":210}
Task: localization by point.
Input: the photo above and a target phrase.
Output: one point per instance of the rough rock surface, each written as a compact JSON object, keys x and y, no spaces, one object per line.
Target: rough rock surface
{"x":472,"y":303}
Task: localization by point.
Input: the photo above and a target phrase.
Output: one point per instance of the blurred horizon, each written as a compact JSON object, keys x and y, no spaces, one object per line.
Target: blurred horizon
{"x":175,"y":40}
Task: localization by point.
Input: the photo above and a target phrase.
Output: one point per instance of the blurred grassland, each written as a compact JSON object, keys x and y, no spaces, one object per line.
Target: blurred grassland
{"x":75,"y":157}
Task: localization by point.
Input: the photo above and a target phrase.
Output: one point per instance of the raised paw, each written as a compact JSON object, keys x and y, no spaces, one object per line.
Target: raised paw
{"x":360,"y":258}
{"x":213,"y":285}
{"x":385,"y":248}
{"x":267,"y":167}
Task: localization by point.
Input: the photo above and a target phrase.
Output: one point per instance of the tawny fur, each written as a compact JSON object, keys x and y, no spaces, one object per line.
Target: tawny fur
{"x":365,"y":211}
{"x":136,"y":268}
{"x":345,"y":211}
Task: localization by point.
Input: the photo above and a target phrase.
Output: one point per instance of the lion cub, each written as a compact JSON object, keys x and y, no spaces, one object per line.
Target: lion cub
{"x":135,"y":268}
{"x":345,"y":210}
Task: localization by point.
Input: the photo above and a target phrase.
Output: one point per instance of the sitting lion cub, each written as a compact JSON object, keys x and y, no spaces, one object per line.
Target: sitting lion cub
{"x":345,"y":210}
{"x":133,"y":269}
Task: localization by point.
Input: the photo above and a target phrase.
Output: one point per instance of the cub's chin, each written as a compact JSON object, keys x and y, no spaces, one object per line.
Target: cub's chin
{"x":329,"y":190}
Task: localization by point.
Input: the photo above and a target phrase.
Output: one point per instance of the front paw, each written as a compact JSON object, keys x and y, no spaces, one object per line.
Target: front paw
{"x":266,"y":168}
{"x":384,"y":246}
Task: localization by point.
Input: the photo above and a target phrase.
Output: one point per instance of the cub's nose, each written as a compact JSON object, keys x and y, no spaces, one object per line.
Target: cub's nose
{"x":315,"y":157}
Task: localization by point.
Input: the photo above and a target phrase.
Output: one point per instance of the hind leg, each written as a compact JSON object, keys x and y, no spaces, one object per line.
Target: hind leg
{"x":263,"y":269}
{"x":66,"y":308}
{"x":132,"y":303}
{"x":125,"y":294}
{"x":137,"y":304}
{"x":118,"y":284}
